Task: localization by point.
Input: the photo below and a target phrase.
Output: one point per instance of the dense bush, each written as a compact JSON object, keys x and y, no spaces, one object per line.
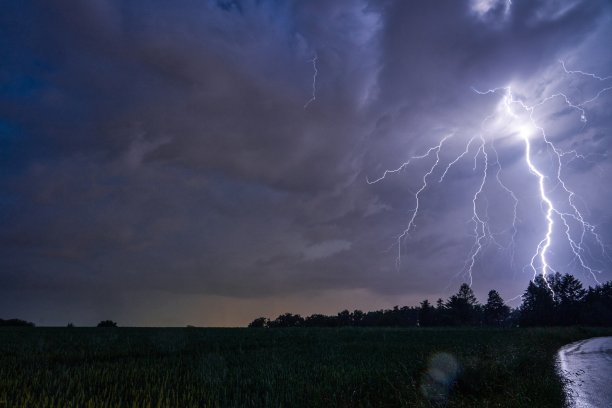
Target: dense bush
{"x":107,"y":323}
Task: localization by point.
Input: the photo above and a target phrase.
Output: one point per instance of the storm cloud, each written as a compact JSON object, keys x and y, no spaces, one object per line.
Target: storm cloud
{"x":159,"y":165}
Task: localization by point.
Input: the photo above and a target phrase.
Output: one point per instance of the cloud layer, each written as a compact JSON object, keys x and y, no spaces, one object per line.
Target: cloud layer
{"x":165,"y":152}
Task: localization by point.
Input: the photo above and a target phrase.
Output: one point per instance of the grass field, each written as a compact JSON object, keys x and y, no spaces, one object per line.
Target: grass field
{"x":349,"y":367}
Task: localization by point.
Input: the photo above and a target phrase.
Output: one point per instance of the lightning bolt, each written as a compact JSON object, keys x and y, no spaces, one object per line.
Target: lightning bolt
{"x":557,"y":214}
{"x":314,"y":80}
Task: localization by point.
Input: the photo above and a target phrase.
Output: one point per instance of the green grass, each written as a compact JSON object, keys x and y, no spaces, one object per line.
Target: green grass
{"x":349,"y":367}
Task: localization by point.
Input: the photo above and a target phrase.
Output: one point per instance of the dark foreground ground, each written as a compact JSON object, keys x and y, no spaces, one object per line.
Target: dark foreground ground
{"x":349,"y":367}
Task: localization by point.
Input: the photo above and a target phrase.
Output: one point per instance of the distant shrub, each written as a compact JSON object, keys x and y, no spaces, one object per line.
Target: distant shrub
{"x":107,"y":323}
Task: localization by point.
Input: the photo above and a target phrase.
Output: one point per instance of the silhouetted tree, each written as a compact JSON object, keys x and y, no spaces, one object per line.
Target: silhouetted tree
{"x":287,"y":320}
{"x":319,"y":320}
{"x":393,"y":317}
{"x":514,"y":317}
{"x":107,"y":323}
{"x":345,"y":318}
{"x":495,"y":311}
{"x":358,"y":317}
{"x":569,"y":295}
{"x":374,"y":318}
{"x":562,"y":300}
{"x":597,"y":306}
{"x":426,"y":314}
{"x":441,"y":317}
{"x":462,"y":306}
{"x":259,"y":322}
{"x":409,"y":316}
{"x":538,"y":304}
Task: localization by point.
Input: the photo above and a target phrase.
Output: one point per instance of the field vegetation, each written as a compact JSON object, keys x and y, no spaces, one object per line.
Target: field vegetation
{"x":293,"y":367}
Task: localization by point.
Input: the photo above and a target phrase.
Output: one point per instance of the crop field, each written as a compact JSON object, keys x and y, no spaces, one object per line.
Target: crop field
{"x":348,"y":367}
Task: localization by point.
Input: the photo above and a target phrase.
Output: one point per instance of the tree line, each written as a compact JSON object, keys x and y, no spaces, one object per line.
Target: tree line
{"x":23,"y":323}
{"x":15,"y":323}
{"x":557,"y":300}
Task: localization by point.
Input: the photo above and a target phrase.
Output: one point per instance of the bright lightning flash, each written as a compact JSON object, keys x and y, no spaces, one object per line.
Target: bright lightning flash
{"x":557,"y":213}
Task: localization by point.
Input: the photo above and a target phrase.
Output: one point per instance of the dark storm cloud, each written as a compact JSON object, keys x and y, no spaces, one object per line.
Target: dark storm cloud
{"x":167,"y":148}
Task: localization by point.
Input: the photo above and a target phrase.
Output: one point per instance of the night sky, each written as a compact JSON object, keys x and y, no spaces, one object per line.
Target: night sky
{"x":171,"y":164}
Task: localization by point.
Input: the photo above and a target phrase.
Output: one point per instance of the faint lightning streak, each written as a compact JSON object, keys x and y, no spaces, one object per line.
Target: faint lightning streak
{"x":415,"y":210}
{"x":314,"y":81}
{"x":407,"y":162}
{"x":480,"y":226}
{"x":567,"y":71}
{"x":515,"y":203}
{"x":580,"y":106}
{"x":508,"y":7}
{"x":452,"y":163}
